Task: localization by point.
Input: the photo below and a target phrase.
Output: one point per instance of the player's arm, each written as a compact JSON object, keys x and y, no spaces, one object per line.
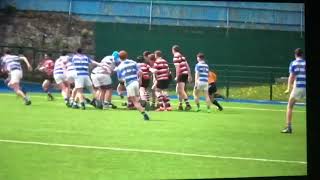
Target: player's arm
{"x":291,"y":79}
{"x":27,"y":62}
{"x":189,"y":72}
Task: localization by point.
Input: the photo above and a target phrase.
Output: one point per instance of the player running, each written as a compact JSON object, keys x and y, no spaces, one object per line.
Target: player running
{"x":144,"y":82}
{"x":162,"y":81}
{"x":201,"y":81}
{"x":183,"y":75}
{"x":46,"y":66}
{"x":129,"y":73}
{"x":12,"y":64}
{"x":59,"y":75}
{"x":297,"y":78}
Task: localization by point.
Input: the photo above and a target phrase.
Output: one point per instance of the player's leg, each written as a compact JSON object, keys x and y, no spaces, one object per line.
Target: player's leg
{"x":290,"y":106}
{"x":166,"y":100}
{"x":212,"y":90}
{"x":196,"y":94}
{"x":184,"y":95}
{"x":45,"y":86}
{"x":180,"y":107}
{"x":14,"y":83}
{"x":133,"y":96}
{"x":208,"y":100}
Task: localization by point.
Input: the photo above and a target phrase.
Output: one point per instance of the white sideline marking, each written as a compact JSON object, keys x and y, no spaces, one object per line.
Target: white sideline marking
{"x":148,"y":151}
{"x":230,"y":107}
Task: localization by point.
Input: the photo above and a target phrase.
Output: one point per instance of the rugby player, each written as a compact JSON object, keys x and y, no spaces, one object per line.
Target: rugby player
{"x":151,"y":59}
{"x":46,"y":66}
{"x":59,"y":75}
{"x":101,"y":79}
{"x":81,"y":64}
{"x":183,"y":75}
{"x":129,"y":74}
{"x":12,"y":64}
{"x":162,"y":81}
{"x":201,"y":81}
{"x":144,"y":81}
{"x":297,"y":79}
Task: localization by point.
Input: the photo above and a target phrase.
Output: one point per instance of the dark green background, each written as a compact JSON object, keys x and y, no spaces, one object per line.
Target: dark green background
{"x":239,"y":47}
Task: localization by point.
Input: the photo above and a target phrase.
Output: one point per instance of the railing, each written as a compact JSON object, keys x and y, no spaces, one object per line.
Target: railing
{"x":234,"y":81}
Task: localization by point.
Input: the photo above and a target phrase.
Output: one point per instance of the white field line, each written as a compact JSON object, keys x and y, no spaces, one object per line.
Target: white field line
{"x":229,"y":107}
{"x":147,"y":151}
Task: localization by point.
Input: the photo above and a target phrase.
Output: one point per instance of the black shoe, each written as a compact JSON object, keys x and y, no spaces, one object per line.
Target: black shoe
{"x":220,"y":108}
{"x":75,"y":106}
{"x":83,"y":107}
{"x":50,"y":97}
{"x":121,"y":96}
{"x":146,"y":117}
{"x":124,"y":104}
{"x":180,"y":108}
{"x":88,"y":101}
{"x":113,"y":106}
{"x":188,"y":107}
{"x":28,"y":102}
{"x":287,"y":130}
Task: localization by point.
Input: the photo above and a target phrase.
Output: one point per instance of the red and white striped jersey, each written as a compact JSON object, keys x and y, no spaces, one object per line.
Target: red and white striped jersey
{"x":48,"y":66}
{"x":181,"y":62}
{"x":162,"y":69}
{"x":145,"y":69}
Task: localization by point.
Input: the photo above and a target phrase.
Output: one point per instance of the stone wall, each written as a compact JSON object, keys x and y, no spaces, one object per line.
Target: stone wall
{"x":47,"y":31}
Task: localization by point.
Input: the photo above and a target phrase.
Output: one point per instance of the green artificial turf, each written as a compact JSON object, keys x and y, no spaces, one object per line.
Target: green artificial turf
{"x":241,"y":130}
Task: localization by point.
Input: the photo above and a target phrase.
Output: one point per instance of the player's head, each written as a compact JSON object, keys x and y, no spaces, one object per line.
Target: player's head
{"x":158,"y":54}
{"x":151,"y":59}
{"x":146,"y":54}
{"x":123,"y":55}
{"x":7,"y":50}
{"x":79,"y":50}
{"x":140,"y":59}
{"x":298,"y":53}
{"x":176,"y":48}
{"x":64,"y":52}
{"x":200,"y":56}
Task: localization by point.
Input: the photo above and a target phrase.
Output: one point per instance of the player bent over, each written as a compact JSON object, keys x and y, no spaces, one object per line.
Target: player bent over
{"x":59,"y":75}
{"x":129,"y":73}
{"x":101,"y":79}
{"x":13,"y":66}
{"x":297,"y":78}
{"x":201,"y":81}
{"x":162,"y":80}
{"x":46,"y":66}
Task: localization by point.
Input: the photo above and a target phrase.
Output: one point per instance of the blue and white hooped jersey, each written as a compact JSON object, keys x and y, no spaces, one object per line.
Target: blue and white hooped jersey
{"x":11,"y":62}
{"x":128,"y":71}
{"x":59,"y":65}
{"x":298,"y":68}
{"x":81,"y":64}
{"x":203,"y":70}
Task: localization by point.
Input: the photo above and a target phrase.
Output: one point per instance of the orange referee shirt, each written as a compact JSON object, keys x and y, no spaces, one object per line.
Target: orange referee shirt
{"x":212,"y":77}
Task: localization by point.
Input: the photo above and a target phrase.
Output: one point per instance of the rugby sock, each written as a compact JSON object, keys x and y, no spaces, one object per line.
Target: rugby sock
{"x":66,"y":100}
{"x":215,"y":102}
{"x":289,"y":125}
{"x":198,"y":105}
{"x":187,"y":102}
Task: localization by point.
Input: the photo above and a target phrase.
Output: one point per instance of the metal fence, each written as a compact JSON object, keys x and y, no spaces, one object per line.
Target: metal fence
{"x":234,"y":81}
